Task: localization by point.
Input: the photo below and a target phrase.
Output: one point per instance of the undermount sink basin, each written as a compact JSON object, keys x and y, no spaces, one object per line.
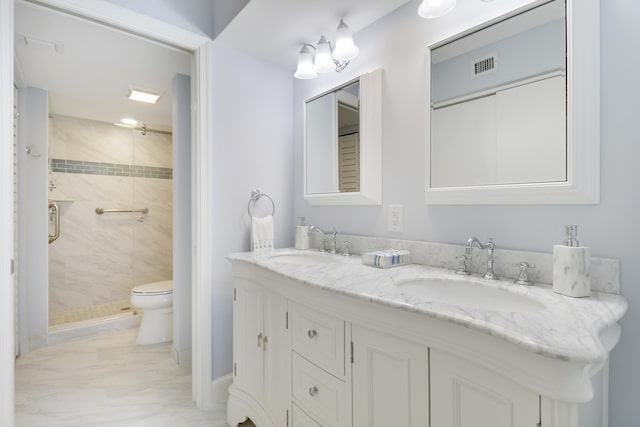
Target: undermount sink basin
{"x":470,"y":295}
{"x":303,"y":259}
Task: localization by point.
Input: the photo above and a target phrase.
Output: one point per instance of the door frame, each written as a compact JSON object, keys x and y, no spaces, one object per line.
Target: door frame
{"x":201,"y":179}
{"x":7,"y":356}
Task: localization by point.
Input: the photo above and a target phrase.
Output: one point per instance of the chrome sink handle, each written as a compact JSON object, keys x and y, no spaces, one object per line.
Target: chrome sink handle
{"x":347,"y":249}
{"x":462,"y":265}
{"x":523,"y":277}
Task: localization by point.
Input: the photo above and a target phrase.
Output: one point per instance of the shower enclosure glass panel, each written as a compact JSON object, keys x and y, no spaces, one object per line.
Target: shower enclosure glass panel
{"x":98,"y":259}
{"x":152,"y":189}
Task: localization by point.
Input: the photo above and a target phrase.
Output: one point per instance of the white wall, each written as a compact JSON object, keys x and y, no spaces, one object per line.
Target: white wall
{"x":252,"y":149}
{"x":206,"y":17}
{"x":192,"y":15}
{"x":397,"y":44}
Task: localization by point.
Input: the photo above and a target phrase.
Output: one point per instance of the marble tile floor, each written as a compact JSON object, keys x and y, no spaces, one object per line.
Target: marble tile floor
{"x":72,"y":315}
{"x":107,"y":380}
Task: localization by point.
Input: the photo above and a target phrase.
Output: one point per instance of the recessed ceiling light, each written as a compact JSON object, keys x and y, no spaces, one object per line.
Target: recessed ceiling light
{"x":143,"y":96}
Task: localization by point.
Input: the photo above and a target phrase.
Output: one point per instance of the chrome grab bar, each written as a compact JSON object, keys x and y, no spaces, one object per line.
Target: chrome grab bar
{"x":101,"y":211}
{"x":54,"y":215}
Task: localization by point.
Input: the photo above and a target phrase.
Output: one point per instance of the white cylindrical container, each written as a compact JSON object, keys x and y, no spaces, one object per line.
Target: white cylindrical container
{"x":302,"y":237}
{"x":572,"y":266}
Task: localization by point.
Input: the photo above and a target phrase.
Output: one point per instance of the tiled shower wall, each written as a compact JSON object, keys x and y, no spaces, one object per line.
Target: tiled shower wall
{"x":99,"y":258}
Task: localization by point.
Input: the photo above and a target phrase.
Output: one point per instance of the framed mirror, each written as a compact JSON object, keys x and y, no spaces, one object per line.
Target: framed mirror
{"x":343,"y":144}
{"x":513,"y":119}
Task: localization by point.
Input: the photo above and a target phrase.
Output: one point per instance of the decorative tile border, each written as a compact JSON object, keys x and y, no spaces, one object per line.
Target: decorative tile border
{"x":110,"y":169}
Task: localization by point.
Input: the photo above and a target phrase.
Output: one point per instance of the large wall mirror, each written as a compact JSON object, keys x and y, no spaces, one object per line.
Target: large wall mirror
{"x":513,"y":120}
{"x":343,"y":147}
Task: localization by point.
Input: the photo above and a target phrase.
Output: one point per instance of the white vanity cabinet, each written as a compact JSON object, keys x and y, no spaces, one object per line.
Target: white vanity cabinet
{"x":465,"y":395}
{"x":320,"y":380}
{"x":390,"y":380}
{"x":261,"y":351}
{"x":308,"y":357}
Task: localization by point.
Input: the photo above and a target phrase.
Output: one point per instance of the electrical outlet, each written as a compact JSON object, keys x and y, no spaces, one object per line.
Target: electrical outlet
{"x":394,"y":218}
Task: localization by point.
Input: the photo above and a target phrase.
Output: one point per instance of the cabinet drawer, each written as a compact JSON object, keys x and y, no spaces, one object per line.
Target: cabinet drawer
{"x":319,"y":393}
{"x":318,"y":337}
{"x":299,"y":418}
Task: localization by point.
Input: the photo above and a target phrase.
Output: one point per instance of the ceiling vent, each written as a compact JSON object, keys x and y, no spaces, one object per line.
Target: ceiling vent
{"x":484,"y":66}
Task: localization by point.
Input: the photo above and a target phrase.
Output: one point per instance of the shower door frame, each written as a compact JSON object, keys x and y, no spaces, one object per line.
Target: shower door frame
{"x":204,"y":392}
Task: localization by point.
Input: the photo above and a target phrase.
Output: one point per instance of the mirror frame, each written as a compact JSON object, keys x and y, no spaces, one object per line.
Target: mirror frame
{"x":583,"y":123}
{"x":370,"y":147}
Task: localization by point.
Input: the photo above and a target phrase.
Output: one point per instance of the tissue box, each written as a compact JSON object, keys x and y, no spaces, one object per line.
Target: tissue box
{"x":386,"y":258}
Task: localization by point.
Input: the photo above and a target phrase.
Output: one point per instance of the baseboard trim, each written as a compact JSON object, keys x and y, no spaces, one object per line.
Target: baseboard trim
{"x":220,"y":388}
{"x":182,"y":358}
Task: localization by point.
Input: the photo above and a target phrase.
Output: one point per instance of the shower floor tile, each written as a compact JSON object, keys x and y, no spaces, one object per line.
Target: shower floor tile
{"x":92,"y":312}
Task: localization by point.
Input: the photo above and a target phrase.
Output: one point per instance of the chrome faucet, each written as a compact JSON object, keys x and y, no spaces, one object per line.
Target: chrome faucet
{"x":489,"y":246}
{"x":316,"y":228}
{"x":334,"y":233}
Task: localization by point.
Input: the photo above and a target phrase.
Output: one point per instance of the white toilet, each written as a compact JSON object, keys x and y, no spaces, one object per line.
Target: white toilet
{"x":156,"y":299}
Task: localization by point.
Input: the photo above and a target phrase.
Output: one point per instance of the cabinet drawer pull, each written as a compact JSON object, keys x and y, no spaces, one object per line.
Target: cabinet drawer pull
{"x":312,"y":333}
{"x":313,"y":391}
{"x":259,"y":339}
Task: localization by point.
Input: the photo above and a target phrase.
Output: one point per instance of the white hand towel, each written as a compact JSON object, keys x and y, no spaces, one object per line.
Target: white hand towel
{"x":262,"y":233}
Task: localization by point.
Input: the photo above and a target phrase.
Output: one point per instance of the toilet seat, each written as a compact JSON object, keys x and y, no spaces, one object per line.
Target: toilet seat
{"x":164,"y":287}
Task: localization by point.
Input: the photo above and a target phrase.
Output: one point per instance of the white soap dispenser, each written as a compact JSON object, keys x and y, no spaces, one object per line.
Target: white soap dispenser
{"x":571,"y":266}
{"x":302,"y":234}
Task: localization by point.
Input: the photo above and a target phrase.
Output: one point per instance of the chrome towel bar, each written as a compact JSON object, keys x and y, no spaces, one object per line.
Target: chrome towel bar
{"x":101,"y":211}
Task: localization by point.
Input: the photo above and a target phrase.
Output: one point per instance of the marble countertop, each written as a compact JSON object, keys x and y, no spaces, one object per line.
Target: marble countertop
{"x":565,"y":328}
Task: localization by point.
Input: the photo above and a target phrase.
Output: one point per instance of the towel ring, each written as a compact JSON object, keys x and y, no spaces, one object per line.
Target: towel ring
{"x":255,"y":196}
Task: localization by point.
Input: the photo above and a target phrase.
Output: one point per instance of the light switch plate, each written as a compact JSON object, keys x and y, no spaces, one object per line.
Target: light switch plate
{"x":394,"y":218}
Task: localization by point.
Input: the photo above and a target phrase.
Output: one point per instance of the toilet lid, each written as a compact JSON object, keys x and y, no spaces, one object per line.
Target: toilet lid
{"x":155,"y":288}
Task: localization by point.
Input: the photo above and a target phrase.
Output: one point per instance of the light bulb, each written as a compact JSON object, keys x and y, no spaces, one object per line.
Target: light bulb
{"x":430,"y":9}
{"x":345,"y":49}
{"x":323,"y":62}
{"x":305,"y":65}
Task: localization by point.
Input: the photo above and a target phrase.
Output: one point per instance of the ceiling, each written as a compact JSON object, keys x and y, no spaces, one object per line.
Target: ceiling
{"x":94,"y":66}
{"x":275,"y":30}
{"x":88,"y":69}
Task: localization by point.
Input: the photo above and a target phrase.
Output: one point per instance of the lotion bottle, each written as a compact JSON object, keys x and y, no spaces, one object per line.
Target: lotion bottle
{"x":302,"y":234}
{"x":571,"y":266}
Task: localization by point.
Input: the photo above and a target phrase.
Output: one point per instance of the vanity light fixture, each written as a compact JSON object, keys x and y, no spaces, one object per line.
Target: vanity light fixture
{"x":143,"y":96}
{"x":327,"y":59}
{"x":430,"y":9}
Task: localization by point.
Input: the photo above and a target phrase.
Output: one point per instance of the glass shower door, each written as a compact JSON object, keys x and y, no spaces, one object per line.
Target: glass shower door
{"x":152,"y":189}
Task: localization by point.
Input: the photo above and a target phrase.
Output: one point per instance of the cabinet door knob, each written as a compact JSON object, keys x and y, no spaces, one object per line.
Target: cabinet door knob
{"x":259,"y":339}
{"x":312,"y":333}
{"x":313,"y":391}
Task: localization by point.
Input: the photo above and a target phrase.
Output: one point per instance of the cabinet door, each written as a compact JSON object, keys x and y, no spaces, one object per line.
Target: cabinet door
{"x":247,"y":342}
{"x":277,"y":353}
{"x":390,"y":381}
{"x":466,"y":395}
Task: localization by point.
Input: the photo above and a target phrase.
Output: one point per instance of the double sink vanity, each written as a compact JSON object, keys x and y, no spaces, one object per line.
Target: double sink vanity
{"x":323,"y":340}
